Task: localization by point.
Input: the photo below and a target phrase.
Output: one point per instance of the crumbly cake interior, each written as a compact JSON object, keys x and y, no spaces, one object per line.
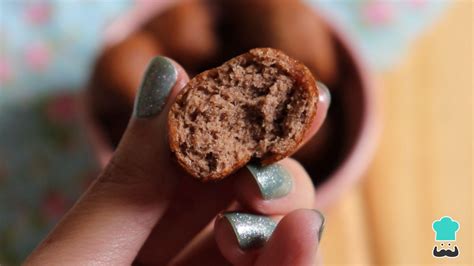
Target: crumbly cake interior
{"x":244,"y":109}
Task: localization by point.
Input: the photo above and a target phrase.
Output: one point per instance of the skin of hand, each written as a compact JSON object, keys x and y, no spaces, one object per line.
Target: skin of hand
{"x":144,"y":210}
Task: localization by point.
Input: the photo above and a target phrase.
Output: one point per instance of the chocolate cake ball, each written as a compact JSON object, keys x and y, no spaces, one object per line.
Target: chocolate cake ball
{"x":256,"y":106}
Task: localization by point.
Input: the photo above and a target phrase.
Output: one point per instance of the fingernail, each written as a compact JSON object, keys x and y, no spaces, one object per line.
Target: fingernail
{"x":324,"y":93}
{"x":274,"y":181}
{"x":322,"y":222}
{"x":252,"y":231}
{"x":159,"y":78}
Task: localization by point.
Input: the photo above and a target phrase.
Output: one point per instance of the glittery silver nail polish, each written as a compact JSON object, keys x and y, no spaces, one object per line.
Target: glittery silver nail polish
{"x":321,"y":226}
{"x":274,"y":181}
{"x":252,"y":231}
{"x":158,"y":80}
{"x":324,"y":93}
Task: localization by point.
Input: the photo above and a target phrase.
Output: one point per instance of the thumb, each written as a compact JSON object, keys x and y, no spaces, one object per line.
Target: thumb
{"x":114,"y":217}
{"x":143,"y":152}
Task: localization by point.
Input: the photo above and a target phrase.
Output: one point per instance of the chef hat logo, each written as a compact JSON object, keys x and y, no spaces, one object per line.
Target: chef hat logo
{"x":445,"y":229}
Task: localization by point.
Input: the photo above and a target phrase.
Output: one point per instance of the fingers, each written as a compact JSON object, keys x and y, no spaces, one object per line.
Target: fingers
{"x":202,"y":250}
{"x":113,"y":218}
{"x":195,"y":205}
{"x":271,"y":191}
{"x":275,"y":189}
{"x":295,"y":240}
{"x":242,"y":238}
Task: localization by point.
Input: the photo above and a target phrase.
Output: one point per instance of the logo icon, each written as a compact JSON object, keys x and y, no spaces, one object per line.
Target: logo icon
{"x":445,"y":237}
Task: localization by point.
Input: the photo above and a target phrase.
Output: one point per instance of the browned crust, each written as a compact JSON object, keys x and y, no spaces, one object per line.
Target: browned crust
{"x":297,"y":70}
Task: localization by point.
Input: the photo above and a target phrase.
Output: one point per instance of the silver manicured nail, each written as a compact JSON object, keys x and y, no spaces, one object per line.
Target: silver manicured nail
{"x":274,"y":181}
{"x":252,"y":231}
{"x":321,"y":225}
{"x":158,"y":80}
{"x":324,"y":93}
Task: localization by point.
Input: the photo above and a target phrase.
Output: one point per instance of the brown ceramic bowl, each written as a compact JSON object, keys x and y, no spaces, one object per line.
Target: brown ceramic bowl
{"x":340,"y":153}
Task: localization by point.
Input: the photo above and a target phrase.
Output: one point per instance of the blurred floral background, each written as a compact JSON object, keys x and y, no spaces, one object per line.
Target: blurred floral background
{"x":47,"y":49}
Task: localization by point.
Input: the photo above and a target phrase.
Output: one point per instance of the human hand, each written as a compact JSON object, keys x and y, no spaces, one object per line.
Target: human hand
{"x":144,"y":209}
